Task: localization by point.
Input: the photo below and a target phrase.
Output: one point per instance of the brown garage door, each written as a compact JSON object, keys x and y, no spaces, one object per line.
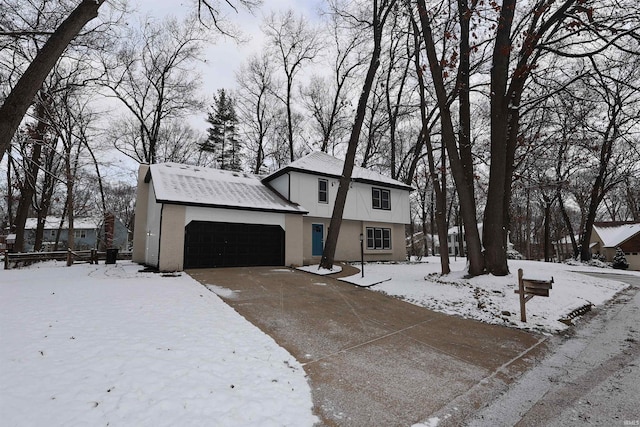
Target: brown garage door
{"x":222,"y":244}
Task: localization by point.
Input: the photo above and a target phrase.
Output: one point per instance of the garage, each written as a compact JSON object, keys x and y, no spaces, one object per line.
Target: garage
{"x":222,"y":244}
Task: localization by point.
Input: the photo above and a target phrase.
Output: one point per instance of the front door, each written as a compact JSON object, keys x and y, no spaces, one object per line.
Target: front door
{"x":317,"y":241}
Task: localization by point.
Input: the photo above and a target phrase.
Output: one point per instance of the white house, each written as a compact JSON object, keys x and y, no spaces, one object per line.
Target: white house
{"x":188,"y":217}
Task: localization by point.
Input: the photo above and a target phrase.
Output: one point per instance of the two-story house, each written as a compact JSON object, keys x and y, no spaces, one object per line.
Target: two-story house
{"x":189,"y":217}
{"x":377,"y":208}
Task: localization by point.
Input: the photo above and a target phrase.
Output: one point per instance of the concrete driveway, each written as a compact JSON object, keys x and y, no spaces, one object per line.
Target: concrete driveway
{"x":374,"y":360}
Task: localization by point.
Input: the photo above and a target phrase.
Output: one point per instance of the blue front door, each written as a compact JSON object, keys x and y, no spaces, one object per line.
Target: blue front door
{"x":317,"y":241}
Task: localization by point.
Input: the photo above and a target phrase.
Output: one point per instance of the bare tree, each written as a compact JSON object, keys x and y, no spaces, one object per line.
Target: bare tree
{"x":152,"y":75}
{"x":612,"y":147}
{"x":21,"y":96}
{"x":256,"y":105}
{"x":375,"y":23}
{"x":293,"y":43}
{"x":327,"y":98}
{"x":460,"y":160}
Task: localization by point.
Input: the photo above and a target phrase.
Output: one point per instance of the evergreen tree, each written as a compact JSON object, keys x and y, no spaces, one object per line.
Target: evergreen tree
{"x":619,"y":260}
{"x":223,"y":140}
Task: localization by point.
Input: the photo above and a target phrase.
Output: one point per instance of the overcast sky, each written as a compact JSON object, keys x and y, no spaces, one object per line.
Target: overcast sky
{"x":225,"y":56}
{"x":222,"y":58}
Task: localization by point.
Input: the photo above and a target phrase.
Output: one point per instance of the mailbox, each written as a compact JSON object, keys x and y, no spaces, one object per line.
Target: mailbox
{"x":528,"y":288}
{"x":537,"y":287}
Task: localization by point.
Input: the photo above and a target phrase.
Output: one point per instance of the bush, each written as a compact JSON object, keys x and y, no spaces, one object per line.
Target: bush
{"x":513,"y":254}
{"x":619,"y":261}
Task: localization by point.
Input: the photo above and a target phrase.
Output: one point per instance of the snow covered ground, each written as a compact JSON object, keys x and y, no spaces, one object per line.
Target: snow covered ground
{"x":492,"y":299}
{"x":108,"y":345}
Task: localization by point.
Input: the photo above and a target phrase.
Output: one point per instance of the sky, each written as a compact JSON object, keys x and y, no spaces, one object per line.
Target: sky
{"x":225,"y":56}
{"x":222,"y":58}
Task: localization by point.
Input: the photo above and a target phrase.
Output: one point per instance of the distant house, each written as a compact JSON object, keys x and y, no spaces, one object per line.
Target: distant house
{"x":457,"y":249}
{"x":607,"y":236}
{"x":189,"y":217}
{"x":88,"y":234}
{"x":564,"y":248}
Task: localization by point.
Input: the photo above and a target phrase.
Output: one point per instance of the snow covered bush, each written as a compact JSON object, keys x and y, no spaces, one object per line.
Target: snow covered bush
{"x":513,"y":254}
{"x":619,"y":260}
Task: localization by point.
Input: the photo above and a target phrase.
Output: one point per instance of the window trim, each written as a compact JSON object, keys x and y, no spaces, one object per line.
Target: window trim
{"x":378,"y":238}
{"x":325,"y":192}
{"x":378,"y":202}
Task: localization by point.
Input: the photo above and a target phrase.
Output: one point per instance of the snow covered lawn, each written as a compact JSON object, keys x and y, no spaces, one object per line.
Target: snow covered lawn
{"x":107,"y":345}
{"x":492,"y":299}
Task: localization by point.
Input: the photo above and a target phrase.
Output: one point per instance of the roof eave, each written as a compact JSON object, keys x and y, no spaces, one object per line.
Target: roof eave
{"x":287,"y":169}
{"x":241,"y":208}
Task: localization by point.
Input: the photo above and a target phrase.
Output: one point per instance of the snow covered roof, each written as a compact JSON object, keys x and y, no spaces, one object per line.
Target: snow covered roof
{"x":53,"y":223}
{"x":200,"y":186}
{"x":319,"y":163}
{"x":616,"y":234}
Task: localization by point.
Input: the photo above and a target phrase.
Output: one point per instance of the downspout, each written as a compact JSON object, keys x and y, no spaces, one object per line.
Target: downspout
{"x":160,"y":234}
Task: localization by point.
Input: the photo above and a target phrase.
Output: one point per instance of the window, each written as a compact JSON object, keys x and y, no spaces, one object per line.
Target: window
{"x":79,"y":234}
{"x":380,"y":199}
{"x":323,"y":191}
{"x":378,"y":238}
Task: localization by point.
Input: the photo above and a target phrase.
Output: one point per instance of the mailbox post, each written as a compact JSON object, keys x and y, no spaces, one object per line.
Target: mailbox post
{"x":528,"y":288}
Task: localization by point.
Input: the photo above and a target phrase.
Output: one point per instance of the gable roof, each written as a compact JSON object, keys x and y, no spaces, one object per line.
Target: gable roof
{"x":320,"y":163}
{"x":53,"y":223}
{"x":199,"y":186}
{"x":615,"y":233}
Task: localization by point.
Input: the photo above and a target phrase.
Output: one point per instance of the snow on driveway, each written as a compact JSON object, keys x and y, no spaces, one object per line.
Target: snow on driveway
{"x":107,"y":345}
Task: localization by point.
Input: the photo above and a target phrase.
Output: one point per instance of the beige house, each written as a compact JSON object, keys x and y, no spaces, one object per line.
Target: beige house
{"x":607,"y":236}
{"x":190,"y":217}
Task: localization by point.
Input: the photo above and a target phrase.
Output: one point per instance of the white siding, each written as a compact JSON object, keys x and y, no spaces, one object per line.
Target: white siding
{"x":196,"y":213}
{"x":152,"y":241}
{"x":281,"y":185}
{"x":304,"y":191}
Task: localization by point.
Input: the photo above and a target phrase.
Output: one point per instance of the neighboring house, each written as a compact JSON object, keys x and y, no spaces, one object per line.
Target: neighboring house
{"x":606,"y":236}
{"x":88,"y":234}
{"x":189,"y":216}
{"x":564,"y":248}
{"x":454,"y":242}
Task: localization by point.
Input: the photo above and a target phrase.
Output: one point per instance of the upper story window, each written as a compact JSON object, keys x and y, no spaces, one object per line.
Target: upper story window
{"x":323,"y":191}
{"x":380,"y":198}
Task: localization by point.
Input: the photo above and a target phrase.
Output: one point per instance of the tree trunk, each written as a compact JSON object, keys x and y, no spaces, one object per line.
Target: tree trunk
{"x":547,"y":228}
{"x":329,"y":251}
{"x":567,"y":224}
{"x":17,"y":103}
{"x":28,"y":189}
{"x":495,"y":220}
{"x":459,"y":168}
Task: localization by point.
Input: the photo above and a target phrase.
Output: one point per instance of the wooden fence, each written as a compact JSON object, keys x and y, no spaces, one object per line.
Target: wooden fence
{"x":20,"y":259}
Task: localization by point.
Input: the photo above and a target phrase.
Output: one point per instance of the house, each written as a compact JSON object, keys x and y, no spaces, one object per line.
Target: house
{"x":458,"y":249}
{"x":607,"y":236}
{"x":189,"y":217}
{"x":88,"y":233}
{"x":564,"y":248}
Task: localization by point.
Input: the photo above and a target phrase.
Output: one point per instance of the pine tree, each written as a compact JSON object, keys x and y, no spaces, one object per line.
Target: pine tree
{"x":223,"y":140}
{"x":619,"y":260}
